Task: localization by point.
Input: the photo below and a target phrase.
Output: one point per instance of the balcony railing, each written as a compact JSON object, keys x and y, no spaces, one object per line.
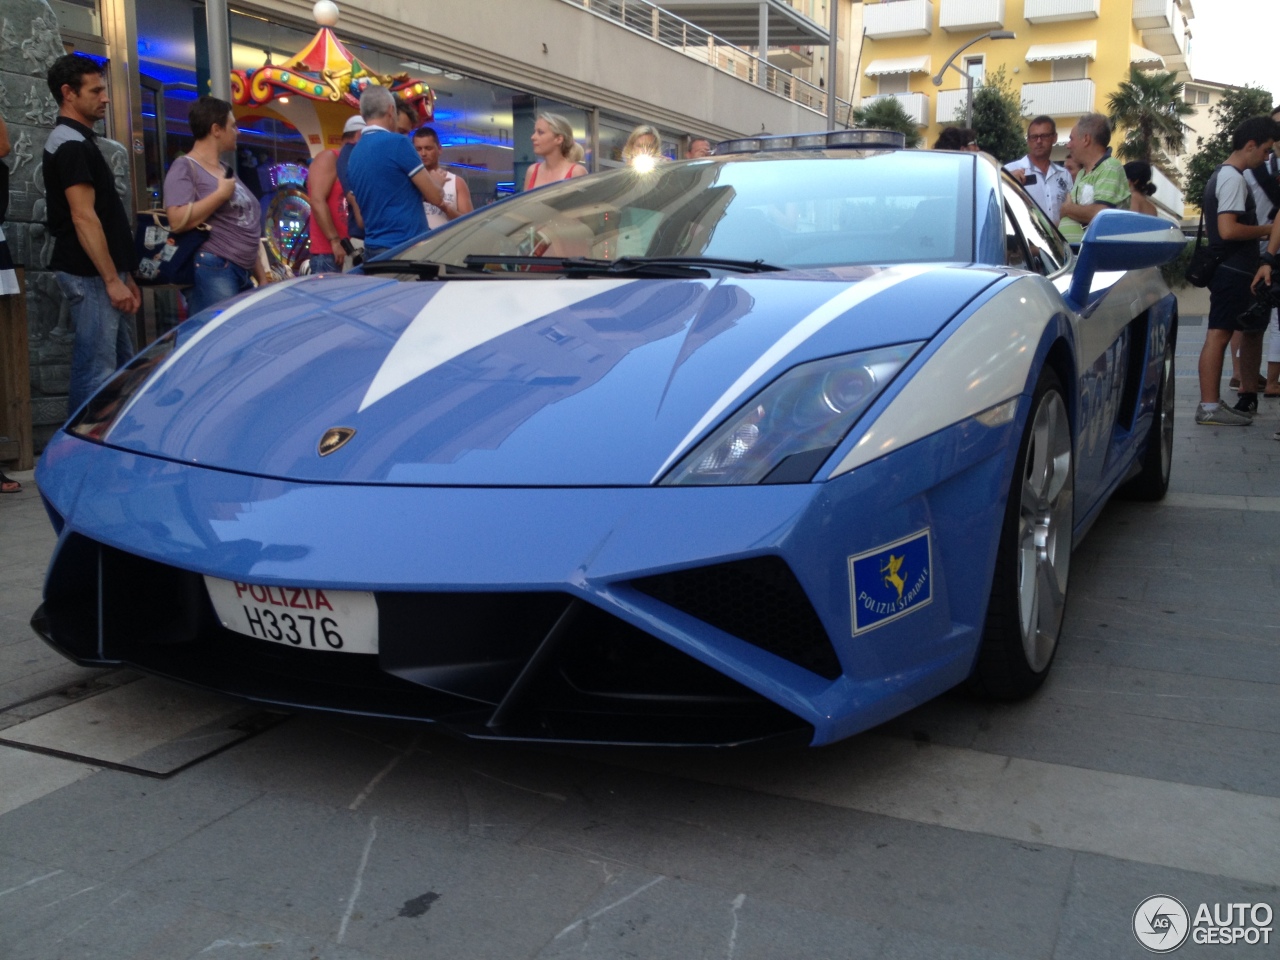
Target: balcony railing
{"x":792,"y":58}
{"x":1153,"y":14}
{"x":1049,"y":11}
{"x":1167,"y":195}
{"x":960,"y":16}
{"x":951,"y":104}
{"x":915,"y":104}
{"x":1058,"y":98}
{"x":650,"y":20}
{"x":1168,"y":40}
{"x":899,"y":18}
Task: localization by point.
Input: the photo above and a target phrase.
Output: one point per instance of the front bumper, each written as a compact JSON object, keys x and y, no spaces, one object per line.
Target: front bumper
{"x":520,"y":613}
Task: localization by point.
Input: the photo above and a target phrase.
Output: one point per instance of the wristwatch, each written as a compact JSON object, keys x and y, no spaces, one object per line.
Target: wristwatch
{"x":1268,"y":258}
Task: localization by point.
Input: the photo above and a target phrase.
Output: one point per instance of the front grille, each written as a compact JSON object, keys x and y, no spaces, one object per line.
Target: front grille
{"x":757,"y":600}
{"x":520,"y":665}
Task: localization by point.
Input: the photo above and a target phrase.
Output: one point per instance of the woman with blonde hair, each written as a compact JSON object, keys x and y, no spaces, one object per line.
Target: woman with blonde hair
{"x":560,"y":156}
{"x":645,"y":141}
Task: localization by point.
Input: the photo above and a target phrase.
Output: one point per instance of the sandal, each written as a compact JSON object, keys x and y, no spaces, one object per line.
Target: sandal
{"x":9,"y":486}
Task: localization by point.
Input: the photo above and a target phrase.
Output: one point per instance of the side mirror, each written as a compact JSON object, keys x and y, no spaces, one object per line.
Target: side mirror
{"x":1122,"y":240}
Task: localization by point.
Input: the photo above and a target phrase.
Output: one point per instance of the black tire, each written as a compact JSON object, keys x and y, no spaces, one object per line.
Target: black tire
{"x":1152,"y":480}
{"x":1020,"y":637}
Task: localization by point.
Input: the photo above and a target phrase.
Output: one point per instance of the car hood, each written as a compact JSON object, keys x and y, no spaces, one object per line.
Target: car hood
{"x":506,"y":382}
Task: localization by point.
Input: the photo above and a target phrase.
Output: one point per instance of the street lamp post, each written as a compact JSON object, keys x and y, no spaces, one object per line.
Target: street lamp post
{"x":968,"y":77}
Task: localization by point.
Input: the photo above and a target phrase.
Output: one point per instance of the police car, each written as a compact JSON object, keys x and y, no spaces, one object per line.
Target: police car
{"x":778,"y":443}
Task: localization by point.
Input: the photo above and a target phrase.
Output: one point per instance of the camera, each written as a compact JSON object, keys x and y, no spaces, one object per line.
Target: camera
{"x":1255,"y":317}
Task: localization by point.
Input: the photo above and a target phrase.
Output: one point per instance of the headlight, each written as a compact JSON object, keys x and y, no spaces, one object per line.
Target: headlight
{"x":99,"y":415}
{"x":797,"y":420}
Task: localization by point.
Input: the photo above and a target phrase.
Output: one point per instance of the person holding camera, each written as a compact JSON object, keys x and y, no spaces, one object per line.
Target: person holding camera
{"x":1266,"y":287}
{"x":200,"y":189}
{"x":1047,"y":183}
{"x":1231,"y":222}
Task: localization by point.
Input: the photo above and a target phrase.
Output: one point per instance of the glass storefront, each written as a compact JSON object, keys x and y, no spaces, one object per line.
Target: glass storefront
{"x":484,"y":127}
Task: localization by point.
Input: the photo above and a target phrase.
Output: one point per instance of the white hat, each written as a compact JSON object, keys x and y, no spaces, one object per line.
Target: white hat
{"x":353,"y":125}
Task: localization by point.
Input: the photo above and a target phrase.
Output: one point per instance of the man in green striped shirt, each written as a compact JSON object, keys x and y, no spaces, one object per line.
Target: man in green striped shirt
{"x":1101,"y":183}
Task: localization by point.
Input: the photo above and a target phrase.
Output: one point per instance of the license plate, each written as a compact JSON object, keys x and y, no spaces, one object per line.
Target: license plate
{"x":333,"y":621}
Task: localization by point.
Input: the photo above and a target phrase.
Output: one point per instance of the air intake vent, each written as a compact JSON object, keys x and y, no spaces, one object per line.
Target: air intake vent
{"x":759,"y":601}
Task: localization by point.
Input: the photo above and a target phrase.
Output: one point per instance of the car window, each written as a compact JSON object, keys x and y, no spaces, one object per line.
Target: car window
{"x":794,"y":210}
{"x":1016,"y":252}
{"x":1048,"y":250}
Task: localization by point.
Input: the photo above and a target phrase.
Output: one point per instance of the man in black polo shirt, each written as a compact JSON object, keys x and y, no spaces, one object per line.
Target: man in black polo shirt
{"x":93,"y":252}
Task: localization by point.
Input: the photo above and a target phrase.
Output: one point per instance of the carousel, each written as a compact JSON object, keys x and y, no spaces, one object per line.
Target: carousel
{"x":315,"y":92}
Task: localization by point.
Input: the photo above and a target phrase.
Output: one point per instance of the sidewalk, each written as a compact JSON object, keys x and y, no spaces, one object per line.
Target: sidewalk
{"x":28,"y":668}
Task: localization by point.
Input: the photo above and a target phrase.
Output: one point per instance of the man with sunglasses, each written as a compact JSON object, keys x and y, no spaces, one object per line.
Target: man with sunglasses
{"x":1048,"y":183}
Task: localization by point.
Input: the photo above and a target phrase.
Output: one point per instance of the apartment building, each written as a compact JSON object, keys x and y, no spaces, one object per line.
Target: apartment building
{"x":1065,"y":58}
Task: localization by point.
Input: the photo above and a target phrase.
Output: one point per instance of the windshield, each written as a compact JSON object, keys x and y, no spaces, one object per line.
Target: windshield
{"x":792,"y":210}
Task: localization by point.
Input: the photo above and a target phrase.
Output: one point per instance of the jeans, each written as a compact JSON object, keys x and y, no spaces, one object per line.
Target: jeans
{"x":324,"y":263}
{"x":216,"y":279}
{"x":104,"y":335}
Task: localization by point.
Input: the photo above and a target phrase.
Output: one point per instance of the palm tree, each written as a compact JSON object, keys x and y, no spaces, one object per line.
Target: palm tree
{"x":886,"y":113}
{"x":1150,"y":107}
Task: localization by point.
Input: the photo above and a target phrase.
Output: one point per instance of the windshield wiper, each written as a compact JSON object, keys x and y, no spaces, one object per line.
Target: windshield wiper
{"x":714,"y":263}
{"x":676,"y":267}
{"x":424,"y":269}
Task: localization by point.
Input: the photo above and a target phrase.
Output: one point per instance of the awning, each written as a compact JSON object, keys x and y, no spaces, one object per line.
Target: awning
{"x":1062,"y":51}
{"x":1142,"y":57}
{"x":881,"y":68}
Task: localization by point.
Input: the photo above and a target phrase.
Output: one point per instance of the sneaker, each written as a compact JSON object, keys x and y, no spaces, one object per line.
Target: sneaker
{"x":1222,"y":416}
{"x":1247,"y":404}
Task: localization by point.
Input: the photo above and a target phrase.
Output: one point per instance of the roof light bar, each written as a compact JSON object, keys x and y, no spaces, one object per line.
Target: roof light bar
{"x":837,"y":139}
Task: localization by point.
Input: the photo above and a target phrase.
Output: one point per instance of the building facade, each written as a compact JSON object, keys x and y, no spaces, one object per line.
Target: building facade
{"x":1066,"y":57}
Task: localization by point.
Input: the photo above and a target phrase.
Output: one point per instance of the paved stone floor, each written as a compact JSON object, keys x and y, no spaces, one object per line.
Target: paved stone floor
{"x":1149,"y":764}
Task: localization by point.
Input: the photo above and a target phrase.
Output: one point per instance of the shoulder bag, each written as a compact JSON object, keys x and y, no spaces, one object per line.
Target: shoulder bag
{"x":1204,"y":261}
{"x":165,"y":256}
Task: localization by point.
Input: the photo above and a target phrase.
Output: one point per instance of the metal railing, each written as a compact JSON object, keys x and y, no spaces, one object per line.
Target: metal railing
{"x":916,"y":105}
{"x":1058,"y":98}
{"x":1050,"y":10}
{"x":652,"y":21}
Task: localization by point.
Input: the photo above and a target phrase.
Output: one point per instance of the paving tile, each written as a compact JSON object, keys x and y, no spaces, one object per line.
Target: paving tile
{"x":379,"y":885}
{"x":872,"y":869}
{"x":102,"y":825}
{"x":1104,"y":893}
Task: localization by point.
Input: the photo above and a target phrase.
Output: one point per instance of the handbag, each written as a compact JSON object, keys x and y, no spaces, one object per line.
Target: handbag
{"x":165,"y":256}
{"x":1204,"y":260}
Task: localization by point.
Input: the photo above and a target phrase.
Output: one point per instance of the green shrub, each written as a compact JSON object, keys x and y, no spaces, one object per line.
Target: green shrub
{"x":1175,"y":271}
